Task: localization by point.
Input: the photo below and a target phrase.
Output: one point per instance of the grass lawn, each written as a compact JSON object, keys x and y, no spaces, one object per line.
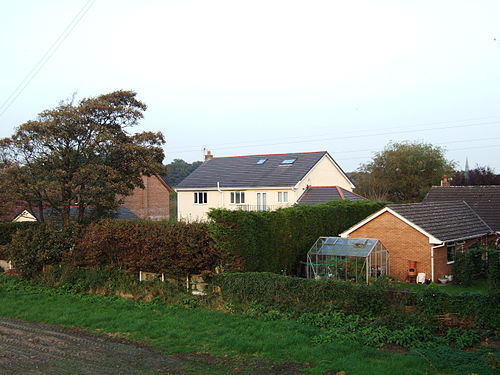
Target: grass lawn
{"x":177,"y":329}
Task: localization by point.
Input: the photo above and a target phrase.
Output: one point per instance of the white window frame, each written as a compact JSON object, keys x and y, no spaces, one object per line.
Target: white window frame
{"x":282,"y":196}
{"x":237,"y":197}
{"x":452,"y":248}
{"x":200,"y":197}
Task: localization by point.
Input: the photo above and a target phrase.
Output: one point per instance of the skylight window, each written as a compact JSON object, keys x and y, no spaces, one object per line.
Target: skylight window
{"x":288,"y":161}
{"x":261,"y":161}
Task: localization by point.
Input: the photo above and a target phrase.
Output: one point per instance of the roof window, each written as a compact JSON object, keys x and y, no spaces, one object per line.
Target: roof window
{"x":261,"y":161}
{"x":288,"y":161}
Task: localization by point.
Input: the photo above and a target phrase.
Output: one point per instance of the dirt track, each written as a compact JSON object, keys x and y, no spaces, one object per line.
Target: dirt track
{"x":35,"y":349}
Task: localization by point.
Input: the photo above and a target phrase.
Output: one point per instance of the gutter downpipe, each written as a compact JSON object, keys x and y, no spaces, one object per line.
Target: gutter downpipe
{"x":432,"y":258}
{"x":220,"y":196}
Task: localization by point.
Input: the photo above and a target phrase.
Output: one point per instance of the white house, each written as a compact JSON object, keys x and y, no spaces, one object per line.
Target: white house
{"x":258,"y":182}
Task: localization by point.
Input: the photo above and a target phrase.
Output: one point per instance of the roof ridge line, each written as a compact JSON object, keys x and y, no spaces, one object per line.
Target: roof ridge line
{"x":284,"y":153}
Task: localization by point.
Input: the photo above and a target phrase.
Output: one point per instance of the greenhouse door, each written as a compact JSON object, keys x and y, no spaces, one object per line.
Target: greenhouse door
{"x":261,"y":201}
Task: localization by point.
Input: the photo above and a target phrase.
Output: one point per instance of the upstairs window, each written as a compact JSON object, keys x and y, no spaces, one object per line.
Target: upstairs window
{"x":200,"y":197}
{"x":282,"y":196}
{"x":288,"y":161}
{"x":237,"y":197}
{"x":261,"y":161}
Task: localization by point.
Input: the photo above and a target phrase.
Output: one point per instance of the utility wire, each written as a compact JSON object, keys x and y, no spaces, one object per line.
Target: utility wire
{"x":46,"y":57}
{"x":197,"y":148}
{"x":455,"y":149}
{"x":342,"y":137}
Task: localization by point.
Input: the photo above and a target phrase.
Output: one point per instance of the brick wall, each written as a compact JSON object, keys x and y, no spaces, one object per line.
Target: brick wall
{"x":152,"y":202}
{"x":403,"y":242}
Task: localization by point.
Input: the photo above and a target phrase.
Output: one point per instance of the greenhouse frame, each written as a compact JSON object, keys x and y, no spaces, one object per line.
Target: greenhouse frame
{"x":354,"y":259}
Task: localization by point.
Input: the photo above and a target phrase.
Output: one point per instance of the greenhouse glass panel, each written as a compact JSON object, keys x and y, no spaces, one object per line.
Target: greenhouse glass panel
{"x":356,"y":259}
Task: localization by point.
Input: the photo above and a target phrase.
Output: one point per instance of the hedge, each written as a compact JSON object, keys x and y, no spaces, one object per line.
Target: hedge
{"x":174,"y":248}
{"x":276,"y":241}
{"x":39,"y":245}
{"x":294,"y":295}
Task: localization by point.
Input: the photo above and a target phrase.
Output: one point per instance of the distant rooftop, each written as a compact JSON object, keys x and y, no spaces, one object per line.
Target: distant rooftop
{"x":484,"y":200}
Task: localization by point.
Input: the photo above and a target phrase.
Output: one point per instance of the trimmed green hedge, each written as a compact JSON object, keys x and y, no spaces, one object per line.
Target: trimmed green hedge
{"x":276,"y":241}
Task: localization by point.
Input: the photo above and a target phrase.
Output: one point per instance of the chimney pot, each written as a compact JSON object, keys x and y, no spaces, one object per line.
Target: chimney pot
{"x":208,"y":155}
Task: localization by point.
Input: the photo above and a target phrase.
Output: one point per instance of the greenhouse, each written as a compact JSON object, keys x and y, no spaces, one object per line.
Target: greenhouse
{"x":355,"y":259}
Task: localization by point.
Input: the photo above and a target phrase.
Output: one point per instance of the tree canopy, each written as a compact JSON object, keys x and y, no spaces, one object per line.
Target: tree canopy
{"x":178,"y":170}
{"x":402,"y":172}
{"x":477,"y":176}
{"x":80,"y":155}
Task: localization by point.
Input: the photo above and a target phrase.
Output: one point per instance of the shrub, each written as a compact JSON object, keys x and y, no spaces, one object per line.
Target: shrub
{"x":37,"y":246}
{"x":7,"y":230}
{"x":478,"y":262}
{"x":111,"y":282}
{"x":276,"y":241}
{"x":433,"y":309}
{"x":173,"y":248}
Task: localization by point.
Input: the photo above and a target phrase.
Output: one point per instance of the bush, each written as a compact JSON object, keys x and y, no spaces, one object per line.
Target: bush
{"x":386,"y":306}
{"x":111,"y":282}
{"x":36,"y":246}
{"x":296,"y":295}
{"x":7,"y":230}
{"x":276,"y":241}
{"x":478,"y":262}
{"x":164,"y":247}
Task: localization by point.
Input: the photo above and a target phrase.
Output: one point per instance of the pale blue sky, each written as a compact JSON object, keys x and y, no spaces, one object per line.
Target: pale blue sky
{"x":247,"y":77}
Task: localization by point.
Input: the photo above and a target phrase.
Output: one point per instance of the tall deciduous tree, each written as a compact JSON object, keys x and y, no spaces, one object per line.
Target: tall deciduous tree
{"x":81,"y":154}
{"x":403,"y":172}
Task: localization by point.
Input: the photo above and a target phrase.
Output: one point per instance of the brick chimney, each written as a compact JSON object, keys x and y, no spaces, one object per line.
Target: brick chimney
{"x":208,"y":155}
{"x":445,"y":181}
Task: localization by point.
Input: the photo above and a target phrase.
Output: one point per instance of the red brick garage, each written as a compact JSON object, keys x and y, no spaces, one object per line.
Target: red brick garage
{"x":428,"y":233}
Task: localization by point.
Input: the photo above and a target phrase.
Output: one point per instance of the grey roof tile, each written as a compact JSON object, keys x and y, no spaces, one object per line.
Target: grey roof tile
{"x":484,"y":200}
{"x":243,"y":171}
{"x":447,"y":221}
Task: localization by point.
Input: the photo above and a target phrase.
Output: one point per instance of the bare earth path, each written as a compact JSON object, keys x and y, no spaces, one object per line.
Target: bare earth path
{"x":35,"y":349}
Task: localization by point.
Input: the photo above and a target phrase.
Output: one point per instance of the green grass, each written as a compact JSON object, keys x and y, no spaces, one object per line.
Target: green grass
{"x":177,"y":329}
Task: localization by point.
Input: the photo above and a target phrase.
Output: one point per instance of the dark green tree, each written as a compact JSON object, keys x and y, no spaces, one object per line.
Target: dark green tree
{"x":81,"y":154}
{"x":403,"y":172}
{"x":178,"y":170}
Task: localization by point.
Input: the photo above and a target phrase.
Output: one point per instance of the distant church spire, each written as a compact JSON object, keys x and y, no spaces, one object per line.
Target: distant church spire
{"x":466,"y":171}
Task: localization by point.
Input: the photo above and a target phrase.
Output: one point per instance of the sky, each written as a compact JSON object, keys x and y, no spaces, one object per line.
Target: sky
{"x":249,"y":77}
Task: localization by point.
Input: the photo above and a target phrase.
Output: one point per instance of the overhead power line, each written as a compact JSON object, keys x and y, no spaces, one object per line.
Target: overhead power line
{"x":342,"y":137}
{"x":454,"y":149}
{"x":46,"y":57}
{"x":197,"y":148}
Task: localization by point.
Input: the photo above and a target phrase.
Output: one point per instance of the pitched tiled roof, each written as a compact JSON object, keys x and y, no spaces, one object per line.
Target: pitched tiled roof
{"x":484,"y":200}
{"x":245,"y":171}
{"x":322,"y":194}
{"x":446,"y":221}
